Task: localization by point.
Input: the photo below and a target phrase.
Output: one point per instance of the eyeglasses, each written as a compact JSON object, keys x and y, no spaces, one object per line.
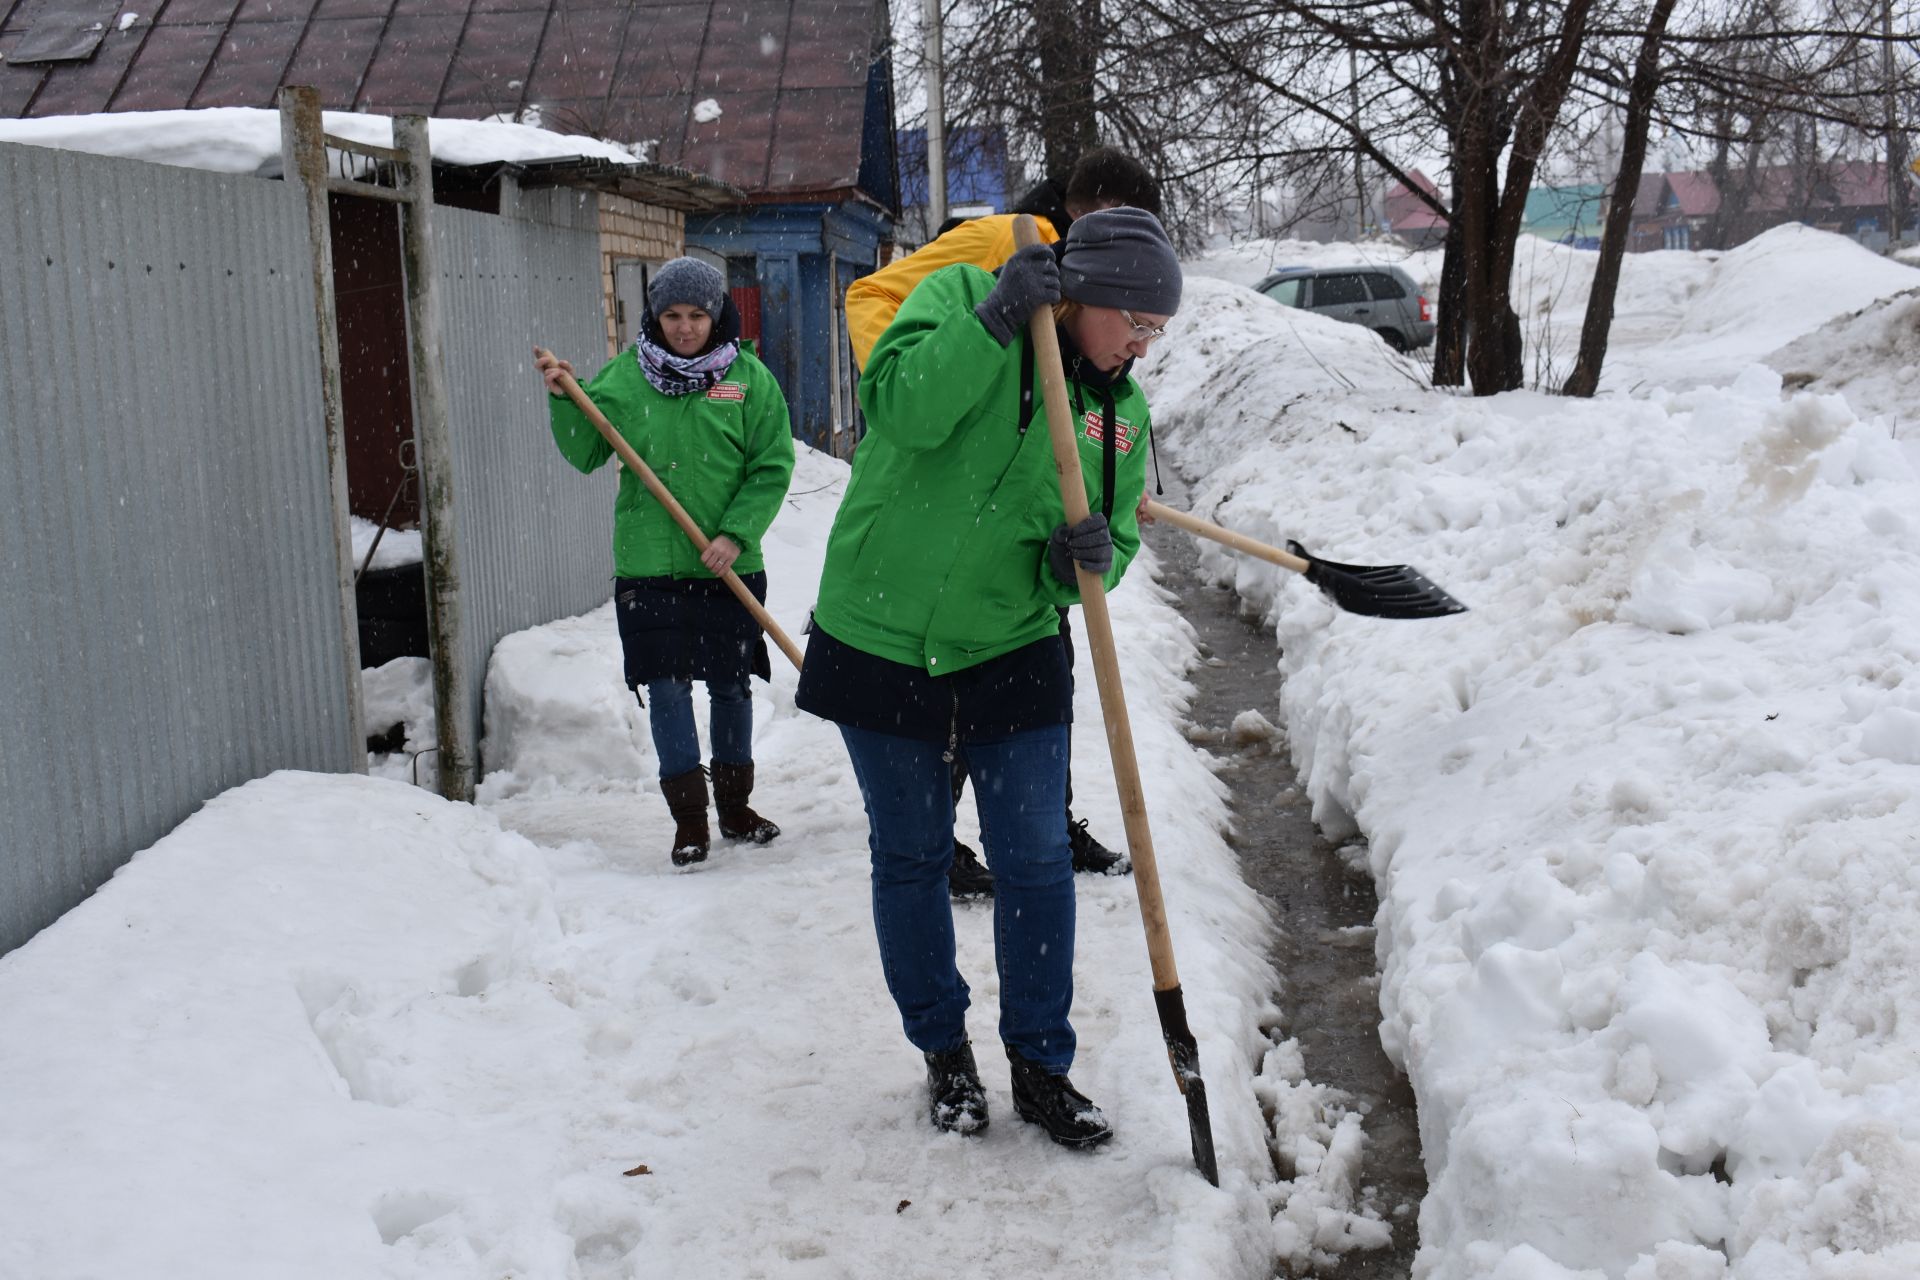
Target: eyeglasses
{"x":1143,"y":332}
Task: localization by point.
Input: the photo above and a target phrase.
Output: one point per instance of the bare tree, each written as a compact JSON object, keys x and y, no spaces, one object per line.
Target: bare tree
{"x":1223,"y":96}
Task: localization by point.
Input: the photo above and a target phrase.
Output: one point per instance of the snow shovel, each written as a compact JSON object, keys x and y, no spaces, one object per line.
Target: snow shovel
{"x":1182,"y":1050}
{"x":674,"y":509}
{"x":1377,"y":591}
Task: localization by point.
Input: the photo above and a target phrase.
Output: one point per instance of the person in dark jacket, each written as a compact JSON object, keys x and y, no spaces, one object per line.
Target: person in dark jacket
{"x":709,"y":420}
{"x":936,"y":634}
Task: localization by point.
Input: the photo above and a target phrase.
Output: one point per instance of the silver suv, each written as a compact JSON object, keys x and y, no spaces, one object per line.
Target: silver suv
{"x":1384,"y":299}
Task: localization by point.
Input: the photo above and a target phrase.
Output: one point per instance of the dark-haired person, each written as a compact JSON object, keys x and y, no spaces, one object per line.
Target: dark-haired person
{"x":936,"y":636}
{"x":1104,"y":178}
{"x":710,"y":421}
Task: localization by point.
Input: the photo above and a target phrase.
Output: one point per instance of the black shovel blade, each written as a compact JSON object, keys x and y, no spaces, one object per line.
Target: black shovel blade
{"x":1183,"y":1052}
{"x":1378,"y":591}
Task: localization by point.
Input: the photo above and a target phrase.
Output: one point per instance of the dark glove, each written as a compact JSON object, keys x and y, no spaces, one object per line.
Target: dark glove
{"x":1029,"y":281}
{"x":1089,"y":543}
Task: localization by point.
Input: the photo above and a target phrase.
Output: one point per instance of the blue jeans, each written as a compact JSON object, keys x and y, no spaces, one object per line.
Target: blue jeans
{"x":677,"y":741}
{"x":1019,"y":784}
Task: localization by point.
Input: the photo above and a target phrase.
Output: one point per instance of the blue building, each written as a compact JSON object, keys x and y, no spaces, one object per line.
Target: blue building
{"x":978,"y":177}
{"x":822,"y":198}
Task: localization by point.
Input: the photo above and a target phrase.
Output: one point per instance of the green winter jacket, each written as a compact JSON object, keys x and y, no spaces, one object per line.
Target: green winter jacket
{"x":937,"y":557}
{"x":727,"y":456}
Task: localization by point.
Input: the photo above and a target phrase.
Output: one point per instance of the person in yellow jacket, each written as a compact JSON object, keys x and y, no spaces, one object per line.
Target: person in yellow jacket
{"x":1105,"y":178}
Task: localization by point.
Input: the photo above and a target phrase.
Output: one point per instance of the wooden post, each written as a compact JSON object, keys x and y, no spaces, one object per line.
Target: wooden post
{"x":434,"y":447}
{"x":303,"y":163}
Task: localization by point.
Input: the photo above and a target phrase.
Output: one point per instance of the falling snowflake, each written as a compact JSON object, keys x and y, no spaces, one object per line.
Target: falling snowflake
{"x":706,"y":111}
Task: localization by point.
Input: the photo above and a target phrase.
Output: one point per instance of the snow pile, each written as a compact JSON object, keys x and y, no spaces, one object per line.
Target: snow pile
{"x":1247,"y":357}
{"x":391,"y":548}
{"x":1642,"y":821}
{"x":1317,"y":1145}
{"x":1680,"y":319}
{"x":1871,"y":356}
{"x":399,"y":693}
{"x":228,"y":1053}
{"x":247,"y":139}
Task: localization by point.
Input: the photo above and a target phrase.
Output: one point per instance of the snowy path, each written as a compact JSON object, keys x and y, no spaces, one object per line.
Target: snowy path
{"x":761,"y":1025}
{"x":336,"y":1026}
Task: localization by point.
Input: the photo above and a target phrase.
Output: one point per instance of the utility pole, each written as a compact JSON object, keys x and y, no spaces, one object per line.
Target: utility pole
{"x":1896,"y":140}
{"x":936,"y":123}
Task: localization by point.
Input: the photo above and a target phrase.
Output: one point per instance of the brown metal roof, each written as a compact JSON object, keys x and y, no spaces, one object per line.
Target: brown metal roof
{"x":661,"y":185}
{"x":789,"y":76}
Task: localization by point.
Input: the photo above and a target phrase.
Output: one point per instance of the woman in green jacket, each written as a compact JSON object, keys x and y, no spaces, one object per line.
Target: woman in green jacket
{"x":710,"y":421}
{"x":936,"y":631}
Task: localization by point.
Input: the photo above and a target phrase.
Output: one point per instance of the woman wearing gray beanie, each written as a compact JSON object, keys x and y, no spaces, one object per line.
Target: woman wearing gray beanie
{"x":936,"y":634}
{"x":710,"y":420}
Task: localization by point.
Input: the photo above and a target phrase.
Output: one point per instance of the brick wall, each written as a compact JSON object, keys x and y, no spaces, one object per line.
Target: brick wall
{"x":629,"y":229}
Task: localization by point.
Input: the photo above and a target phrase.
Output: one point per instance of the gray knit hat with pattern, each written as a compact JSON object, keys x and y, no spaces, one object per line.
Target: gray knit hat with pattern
{"x":1121,"y":258}
{"x":687,"y":282}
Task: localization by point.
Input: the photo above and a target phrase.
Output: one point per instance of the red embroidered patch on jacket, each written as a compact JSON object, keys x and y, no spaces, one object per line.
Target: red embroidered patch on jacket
{"x":727,"y":391}
{"x":1097,"y":432}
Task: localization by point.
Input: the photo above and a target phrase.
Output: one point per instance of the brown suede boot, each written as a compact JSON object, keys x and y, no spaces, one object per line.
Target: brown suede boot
{"x":732,"y":784}
{"x":687,"y":801}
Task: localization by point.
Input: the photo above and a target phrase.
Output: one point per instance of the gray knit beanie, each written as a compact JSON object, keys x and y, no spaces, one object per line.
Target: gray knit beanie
{"x":687,"y":282}
{"x":1121,"y":258}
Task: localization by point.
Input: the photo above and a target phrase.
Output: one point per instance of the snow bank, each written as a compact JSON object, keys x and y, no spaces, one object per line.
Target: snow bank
{"x":247,"y":139}
{"x":1642,"y":821}
{"x":1680,"y":319}
{"x":1870,"y":356}
{"x":227,"y":1052}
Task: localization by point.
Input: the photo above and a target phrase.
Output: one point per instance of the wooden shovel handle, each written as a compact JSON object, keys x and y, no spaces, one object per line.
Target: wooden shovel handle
{"x":1099,"y":628}
{"x":1226,"y":537}
{"x":674,"y":509}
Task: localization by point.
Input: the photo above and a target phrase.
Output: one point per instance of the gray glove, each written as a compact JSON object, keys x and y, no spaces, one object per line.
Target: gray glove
{"x":1029,"y":281}
{"x":1089,"y":542}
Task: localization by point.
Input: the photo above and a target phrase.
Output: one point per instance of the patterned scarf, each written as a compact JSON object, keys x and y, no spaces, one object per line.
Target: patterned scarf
{"x":673,"y":375}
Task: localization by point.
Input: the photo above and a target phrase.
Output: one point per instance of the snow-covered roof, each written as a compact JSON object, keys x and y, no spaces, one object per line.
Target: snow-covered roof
{"x":767,"y":95}
{"x":247,"y":140}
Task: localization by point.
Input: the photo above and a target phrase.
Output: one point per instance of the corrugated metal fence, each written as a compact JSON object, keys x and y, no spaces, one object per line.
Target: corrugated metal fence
{"x":535,"y":537}
{"x":169,"y":614}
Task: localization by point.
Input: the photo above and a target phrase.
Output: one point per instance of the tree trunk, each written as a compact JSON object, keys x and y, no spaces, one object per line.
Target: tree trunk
{"x":1585,"y":379}
{"x":1719,"y":169}
{"x":1450,"y":341}
{"x":1498,"y":360}
{"x":1068,"y":125}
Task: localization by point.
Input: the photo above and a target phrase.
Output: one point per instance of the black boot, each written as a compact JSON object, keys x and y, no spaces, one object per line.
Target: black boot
{"x":686,"y":795}
{"x":1092,"y":857}
{"x":1052,"y":1102}
{"x":955,"y":1099}
{"x":967,"y":879}
{"x":732,"y":785}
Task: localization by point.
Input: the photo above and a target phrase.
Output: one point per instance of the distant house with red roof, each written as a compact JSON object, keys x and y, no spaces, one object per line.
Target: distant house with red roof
{"x":1688,"y":210}
{"x":1411,"y":218}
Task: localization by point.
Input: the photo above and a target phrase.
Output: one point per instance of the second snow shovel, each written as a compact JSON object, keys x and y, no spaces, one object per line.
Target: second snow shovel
{"x":674,"y":509}
{"x":1182,"y":1050}
{"x":1377,"y":591}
